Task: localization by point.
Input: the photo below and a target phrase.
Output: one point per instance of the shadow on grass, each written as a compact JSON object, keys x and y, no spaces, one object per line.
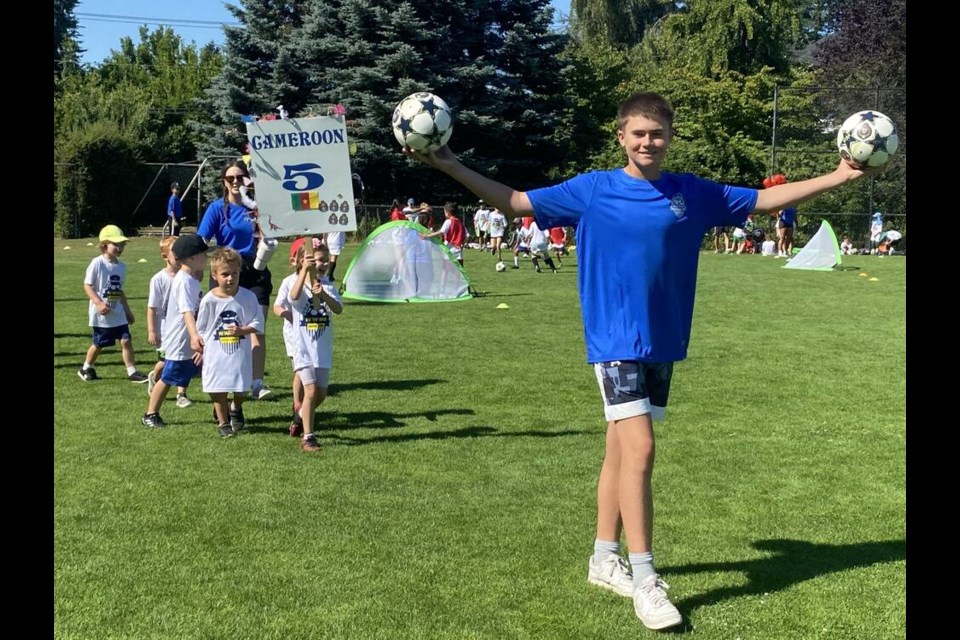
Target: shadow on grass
{"x":384,"y":385}
{"x":466,"y":432}
{"x":71,"y":335}
{"x":791,"y":562}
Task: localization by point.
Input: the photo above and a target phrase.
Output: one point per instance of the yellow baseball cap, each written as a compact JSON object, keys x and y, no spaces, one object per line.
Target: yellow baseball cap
{"x":112,"y":233}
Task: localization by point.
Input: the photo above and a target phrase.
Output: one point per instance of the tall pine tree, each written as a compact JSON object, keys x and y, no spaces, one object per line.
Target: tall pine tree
{"x":496,"y":63}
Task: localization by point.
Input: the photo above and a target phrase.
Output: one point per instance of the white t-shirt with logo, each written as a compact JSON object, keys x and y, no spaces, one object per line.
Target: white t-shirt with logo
{"x":498,"y":224}
{"x":227,"y":359}
{"x":107,"y":279}
{"x":313,"y":329}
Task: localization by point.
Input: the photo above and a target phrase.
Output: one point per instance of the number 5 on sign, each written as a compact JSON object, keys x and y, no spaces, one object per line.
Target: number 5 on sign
{"x":301,"y":170}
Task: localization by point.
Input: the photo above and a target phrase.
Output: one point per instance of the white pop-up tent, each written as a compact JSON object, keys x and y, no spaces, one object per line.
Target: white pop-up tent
{"x":822,"y":253}
{"x":394,"y":265}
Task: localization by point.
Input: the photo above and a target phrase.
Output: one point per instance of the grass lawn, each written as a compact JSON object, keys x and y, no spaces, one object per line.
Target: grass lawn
{"x":455,"y":494}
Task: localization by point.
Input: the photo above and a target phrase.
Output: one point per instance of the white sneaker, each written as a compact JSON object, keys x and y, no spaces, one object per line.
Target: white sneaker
{"x":260,"y":392}
{"x":151,"y":382}
{"x":183,"y":401}
{"x":611,"y":572}
{"x":652,"y":605}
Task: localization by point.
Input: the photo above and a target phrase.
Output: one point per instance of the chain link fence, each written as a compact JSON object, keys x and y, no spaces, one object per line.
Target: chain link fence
{"x":803,"y":144}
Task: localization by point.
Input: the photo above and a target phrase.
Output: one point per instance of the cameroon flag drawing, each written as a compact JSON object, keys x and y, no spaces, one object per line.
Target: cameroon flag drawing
{"x":305,"y":201}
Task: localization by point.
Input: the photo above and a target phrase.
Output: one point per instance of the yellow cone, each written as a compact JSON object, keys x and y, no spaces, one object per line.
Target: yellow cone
{"x":66,"y":247}
{"x":89,"y":244}
{"x":142,"y":260}
{"x":862,"y":275}
{"x":502,"y":305}
{"x":873,"y":280}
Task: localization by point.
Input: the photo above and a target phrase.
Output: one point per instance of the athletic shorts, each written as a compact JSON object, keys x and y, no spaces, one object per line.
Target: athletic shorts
{"x":179,"y":373}
{"x":456,"y":251}
{"x":719,"y":231}
{"x":783,"y":225}
{"x":630,"y":388}
{"x":314,"y":375}
{"x":108,"y":336}
{"x":260,"y":282}
{"x":562,"y":248}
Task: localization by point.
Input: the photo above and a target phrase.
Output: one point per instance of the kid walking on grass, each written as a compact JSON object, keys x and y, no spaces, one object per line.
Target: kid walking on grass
{"x":108,"y":312}
{"x":314,"y":300}
{"x":157,"y":311}
{"x":228,"y":315}
{"x":638,"y":233}
{"x":182,"y":345}
{"x":283,"y":308}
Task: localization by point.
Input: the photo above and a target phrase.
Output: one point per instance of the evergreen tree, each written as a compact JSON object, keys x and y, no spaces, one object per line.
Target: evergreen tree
{"x":496,"y":63}
{"x":66,"y":44}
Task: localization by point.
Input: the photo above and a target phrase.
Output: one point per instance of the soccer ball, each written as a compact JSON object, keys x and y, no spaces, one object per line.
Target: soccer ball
{"x":500,"y":266}
{"x":867,"y":139}
{"x":423,"y":122}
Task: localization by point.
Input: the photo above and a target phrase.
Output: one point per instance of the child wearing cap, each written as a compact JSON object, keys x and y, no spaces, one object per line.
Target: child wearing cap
{"x":157,"y":311}
{"x":108,"y":312}
{"x":283,"y":308}
{"x":182,"y":345}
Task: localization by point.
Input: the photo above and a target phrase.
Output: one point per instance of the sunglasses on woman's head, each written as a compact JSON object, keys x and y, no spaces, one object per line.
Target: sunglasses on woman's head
{"x":232,"y":179}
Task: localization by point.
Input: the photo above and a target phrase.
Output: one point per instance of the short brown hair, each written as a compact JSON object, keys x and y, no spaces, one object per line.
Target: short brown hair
{"x":224,"y":255}
{"x":165,"y":245}
{"x":645,"y":103}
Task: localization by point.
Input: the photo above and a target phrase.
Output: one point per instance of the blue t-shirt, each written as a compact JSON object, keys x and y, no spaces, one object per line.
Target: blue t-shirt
{"x":176,"y":206}
{"x":234,"y":230}
{"x":788,"y":216}
{"x":638,"y":245}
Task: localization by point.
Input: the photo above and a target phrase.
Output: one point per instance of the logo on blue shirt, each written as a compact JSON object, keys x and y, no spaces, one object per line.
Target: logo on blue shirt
{"x":678,"y":205}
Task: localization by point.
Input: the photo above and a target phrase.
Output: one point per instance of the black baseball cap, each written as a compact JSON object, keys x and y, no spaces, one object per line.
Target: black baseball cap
{"x":189,"y":246}
{"x":174,"y":185}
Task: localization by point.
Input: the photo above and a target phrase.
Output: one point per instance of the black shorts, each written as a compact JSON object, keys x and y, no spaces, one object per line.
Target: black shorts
{"x":719,"y":231}
{"x":630,"y":388}
{"x":784,"y":225}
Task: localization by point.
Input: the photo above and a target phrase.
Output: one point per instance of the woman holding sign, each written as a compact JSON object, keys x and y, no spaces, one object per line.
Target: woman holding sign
{"x":234,"y":225}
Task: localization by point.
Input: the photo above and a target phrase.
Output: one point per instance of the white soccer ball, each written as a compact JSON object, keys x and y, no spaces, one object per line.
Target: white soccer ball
{"x":423,"y":122}
{"x":867,"y":139}
{"x":500,"y":266}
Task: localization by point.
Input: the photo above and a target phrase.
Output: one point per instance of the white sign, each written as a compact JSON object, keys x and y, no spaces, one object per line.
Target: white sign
{"x":301,"y":170}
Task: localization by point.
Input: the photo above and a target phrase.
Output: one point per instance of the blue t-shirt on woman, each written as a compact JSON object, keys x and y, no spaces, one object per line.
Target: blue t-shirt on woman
{"x":638,"y":246}
{"x":232,"y":228}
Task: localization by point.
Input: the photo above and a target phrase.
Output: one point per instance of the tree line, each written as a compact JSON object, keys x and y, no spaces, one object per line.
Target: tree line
{"x":534,"y":102}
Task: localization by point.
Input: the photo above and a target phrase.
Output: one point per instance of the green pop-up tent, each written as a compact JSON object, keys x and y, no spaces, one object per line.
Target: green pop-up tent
{"x":822,"y":253}
{"x":394,"y":265}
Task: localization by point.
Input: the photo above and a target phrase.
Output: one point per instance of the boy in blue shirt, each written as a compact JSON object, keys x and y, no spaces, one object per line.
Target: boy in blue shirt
{"x":174,"y":209}
{"x":638,"y":236}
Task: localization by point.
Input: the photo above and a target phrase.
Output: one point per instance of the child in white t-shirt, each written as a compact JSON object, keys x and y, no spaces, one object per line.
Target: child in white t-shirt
{"x":108,"y":312}
{"x":182,"y":345}
{"x":283,"y":308}
{"x":228,"y":314}
{"x":314,"y":301}
{"x":157,"y":311}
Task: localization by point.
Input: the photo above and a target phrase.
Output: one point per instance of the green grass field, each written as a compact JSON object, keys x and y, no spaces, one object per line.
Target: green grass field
{"x":455,"y":495}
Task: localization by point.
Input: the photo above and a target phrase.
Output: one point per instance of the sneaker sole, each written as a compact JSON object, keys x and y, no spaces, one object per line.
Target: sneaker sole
{"x":80,"y":375}
{"x":662,"y":624}
{"x":609,"y":587}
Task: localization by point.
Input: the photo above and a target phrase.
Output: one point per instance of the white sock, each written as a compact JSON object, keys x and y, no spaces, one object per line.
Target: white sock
{"x":642,"y":566}
{"x":604,"y":547}
{"x":131,"y":371}
{"x":86,"y":365}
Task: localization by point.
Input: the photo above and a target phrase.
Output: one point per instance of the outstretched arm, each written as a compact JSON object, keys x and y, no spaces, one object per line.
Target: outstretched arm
{"x":507,"y":199}
{"x":784,"y":195}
